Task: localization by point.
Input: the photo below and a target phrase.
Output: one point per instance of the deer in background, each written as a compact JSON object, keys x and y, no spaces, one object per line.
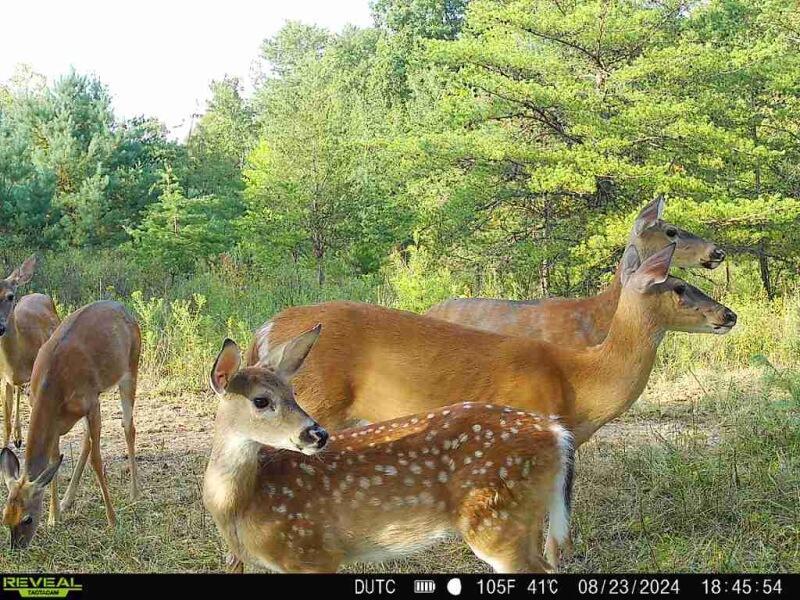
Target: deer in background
{"x":93,"y":349}
{"x":25,"y":324}
{"x":374,"y":363}
{"x":581,"y":322}
{"x":486,"y":473}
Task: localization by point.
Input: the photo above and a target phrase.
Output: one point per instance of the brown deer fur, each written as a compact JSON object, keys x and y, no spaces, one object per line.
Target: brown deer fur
{"x":486,"y":473}
{"x":93,"y":349}
{"x":26,"y":323}
{"x":374,"y":363}
{"x":580,"y":322}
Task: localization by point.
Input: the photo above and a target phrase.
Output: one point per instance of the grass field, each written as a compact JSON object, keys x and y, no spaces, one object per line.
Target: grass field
{"x":702,"y":475}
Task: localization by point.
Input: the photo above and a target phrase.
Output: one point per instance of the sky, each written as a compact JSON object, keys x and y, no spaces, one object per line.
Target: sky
{"x":156,"y":56}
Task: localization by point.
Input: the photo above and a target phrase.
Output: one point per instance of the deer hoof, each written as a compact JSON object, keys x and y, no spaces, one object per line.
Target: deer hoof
{"x":233,"y":564}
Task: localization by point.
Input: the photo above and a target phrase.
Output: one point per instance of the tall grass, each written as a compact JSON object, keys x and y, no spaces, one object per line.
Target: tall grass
{"x":703,"y":475}
{"x":185,"y":319}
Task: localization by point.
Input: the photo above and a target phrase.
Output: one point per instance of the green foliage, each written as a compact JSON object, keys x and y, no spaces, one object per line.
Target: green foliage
{"x":217,"y":148}
{"x":563,"y":116}
{"x":510,"y":140}
{"x":71,"y":174}
{"x":309,"y":182}
{"x":177,"y":231}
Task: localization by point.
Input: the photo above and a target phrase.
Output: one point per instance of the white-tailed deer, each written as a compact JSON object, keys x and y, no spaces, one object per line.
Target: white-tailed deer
{"x":374,"y":363}
{"x":487,"y":473}
{"x":580,"y":322}
{"x":93,"y":349}
{"x":25,"y":324}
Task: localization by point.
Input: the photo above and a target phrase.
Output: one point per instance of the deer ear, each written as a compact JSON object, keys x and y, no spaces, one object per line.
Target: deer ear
{"x":287,"y":358}
{"x":46,"y":476}
{"x":9,"y":465}
{"x":225,"y":367}
{"x":24,"y":272}
{"x":653,"y":271}
{"x":629,"y":264}
{"x":650,"y":214}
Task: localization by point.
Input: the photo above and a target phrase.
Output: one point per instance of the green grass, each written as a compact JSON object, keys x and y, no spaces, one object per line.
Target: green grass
{"x":689,"y":480}
{"x":703,"y":474}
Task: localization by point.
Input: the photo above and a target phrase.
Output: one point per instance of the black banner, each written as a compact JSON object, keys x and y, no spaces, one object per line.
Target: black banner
{"x":404,"y":586}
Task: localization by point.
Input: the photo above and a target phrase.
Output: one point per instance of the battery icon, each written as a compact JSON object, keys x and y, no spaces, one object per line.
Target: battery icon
{"x":424,"y":586}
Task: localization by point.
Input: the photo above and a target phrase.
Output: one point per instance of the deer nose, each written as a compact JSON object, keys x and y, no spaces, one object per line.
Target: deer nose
{"x":730,"y":316}
{"x":718,"y":254}
{"x":315,"y":436}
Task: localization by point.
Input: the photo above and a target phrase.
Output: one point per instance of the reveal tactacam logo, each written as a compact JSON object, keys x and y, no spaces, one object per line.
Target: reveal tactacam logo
{"x":41,"y":587}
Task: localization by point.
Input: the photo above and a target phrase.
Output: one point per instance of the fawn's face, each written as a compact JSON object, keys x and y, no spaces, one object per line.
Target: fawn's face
{"x":23,"y":509}
{"x":671,"y":302}
{"x":651,"y":234}
{"x":257,"y":403}
{"x":8,"y":290}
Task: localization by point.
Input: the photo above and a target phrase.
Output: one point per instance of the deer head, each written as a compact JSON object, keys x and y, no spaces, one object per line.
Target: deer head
{"x":650,"y":234}
{"x":8,"y":289}
{"x":23,"y":509}
{"x":257,"y":403}
{"x":669,"y":301}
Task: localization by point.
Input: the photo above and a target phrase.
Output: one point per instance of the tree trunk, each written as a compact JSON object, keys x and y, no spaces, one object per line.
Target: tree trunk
{"x":319,"y":256}
{"x":763,"y":265}
{"x":320,"y":272}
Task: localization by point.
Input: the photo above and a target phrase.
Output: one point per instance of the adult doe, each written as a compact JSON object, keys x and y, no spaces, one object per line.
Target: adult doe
{"x":581,"y":321}
{"x":374,"y":363}
{"x":93,"y":349}
{"x":25,"y":324}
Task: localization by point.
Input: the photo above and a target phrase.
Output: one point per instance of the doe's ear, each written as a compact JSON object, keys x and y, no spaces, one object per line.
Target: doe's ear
{"x":46,"y":476}
{"x":9,"y":466}
{"x":287,"y":358}
{"x":654,"y":270}
{"x":629,"y":264}
{"x":23,"y":274}
{"x":650,"y":214}
{"x":225,"y":366}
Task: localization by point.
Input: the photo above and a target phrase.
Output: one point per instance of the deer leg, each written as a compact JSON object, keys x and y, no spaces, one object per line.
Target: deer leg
{"x":17,"y":426}
{"x":234,"y":564}
{"x":552,"y":547}
{"x":508,"y":554}
{"x":55,"y":514}
{"x":72,"y":488}
{"x":8,"y":406}
{"x":97,"y":462}
{"x":127,"y":393}
{"x":503,"y":536}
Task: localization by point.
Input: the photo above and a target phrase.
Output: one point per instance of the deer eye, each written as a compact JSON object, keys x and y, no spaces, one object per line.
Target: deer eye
{"x":680,"y":289}
{"x":27,"y":520}
{"x":261,"y":402}
{"x":671,"y":232}
{"x":10,"y":297}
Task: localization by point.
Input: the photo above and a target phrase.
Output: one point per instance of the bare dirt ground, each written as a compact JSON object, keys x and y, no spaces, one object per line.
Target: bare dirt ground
{"x":167,"y":529}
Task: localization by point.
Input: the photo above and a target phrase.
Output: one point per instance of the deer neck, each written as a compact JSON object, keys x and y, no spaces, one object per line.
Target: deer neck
{"x":231,"y":473}
{"x":8,"y":342}
{"x":604,"y":304}
{"x":608,"y":378}
{"x":43,"y":431}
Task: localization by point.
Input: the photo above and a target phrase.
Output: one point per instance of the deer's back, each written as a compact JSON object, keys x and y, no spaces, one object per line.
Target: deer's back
{"x":91,"y":350}
{"x":381,"y":491}
{"x":375,"y":363}
{"x":566,"y":321}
